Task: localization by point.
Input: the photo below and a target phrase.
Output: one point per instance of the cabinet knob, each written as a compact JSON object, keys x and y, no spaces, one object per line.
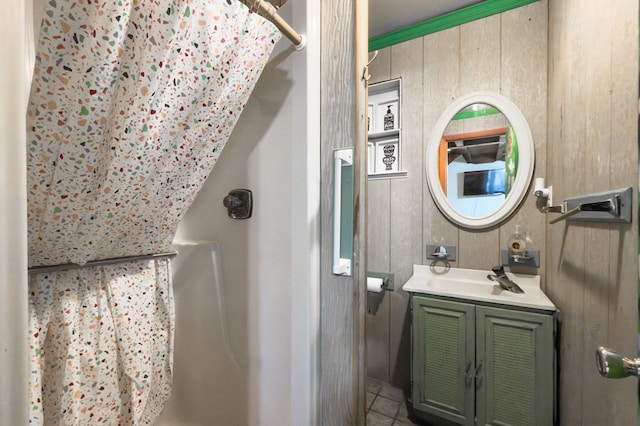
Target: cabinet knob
{"x":478,"y":376}
{"x":468,"y":377}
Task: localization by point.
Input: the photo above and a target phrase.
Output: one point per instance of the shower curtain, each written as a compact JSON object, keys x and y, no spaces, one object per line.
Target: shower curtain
{"x":101,"y":344}
{"x":131,"y":104}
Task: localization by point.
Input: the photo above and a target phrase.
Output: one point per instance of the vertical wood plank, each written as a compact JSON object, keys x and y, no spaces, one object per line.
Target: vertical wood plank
{"x":623,"y":259}
{"x":360,"y":181}
{"x":623,"y":315}
{"x":566,"y":244}
{"x":406,"y":193}
{"x":479,"y":58}
{"x":378,"y":224}
{"x":441,"y":87}
{"x":524,"y":82}
{"x":480,"y":69}
{"x":595,"y":110}
{"x":406,"y":202}
{"x":343,"y":299}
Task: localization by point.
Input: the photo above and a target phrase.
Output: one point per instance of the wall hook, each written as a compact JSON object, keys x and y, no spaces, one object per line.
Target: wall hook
{"x":365,"y":73}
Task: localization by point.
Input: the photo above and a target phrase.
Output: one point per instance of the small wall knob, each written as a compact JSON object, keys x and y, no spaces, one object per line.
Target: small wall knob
{"x":232,"y":201}
{"x":239,"y":203}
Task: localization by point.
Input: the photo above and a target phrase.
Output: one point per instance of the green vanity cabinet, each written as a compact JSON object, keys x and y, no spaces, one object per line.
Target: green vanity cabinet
{"x":481,"y":364}
{"x":443,"y":359}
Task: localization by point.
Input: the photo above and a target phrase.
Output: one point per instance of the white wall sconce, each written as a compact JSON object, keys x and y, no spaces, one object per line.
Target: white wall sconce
{"x":540,"y":191}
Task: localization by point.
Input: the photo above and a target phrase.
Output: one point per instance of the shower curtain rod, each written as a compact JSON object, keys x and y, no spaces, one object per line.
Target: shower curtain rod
{"x":69,"y":266}
{"x":268,"y":11}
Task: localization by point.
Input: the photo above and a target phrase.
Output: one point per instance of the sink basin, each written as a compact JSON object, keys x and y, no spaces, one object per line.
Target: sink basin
{"x":473,"y":284}
{"x":463,"y":287}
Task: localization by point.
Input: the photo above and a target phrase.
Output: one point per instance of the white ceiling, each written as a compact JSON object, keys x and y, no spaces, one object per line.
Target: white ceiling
{"x":390,"y":15}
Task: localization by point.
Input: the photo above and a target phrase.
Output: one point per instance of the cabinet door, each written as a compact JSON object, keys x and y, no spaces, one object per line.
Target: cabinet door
{"x":443,"y":359}
{"x":514,"y":367}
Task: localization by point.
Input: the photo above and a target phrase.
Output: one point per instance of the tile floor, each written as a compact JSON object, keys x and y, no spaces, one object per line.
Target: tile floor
{"x":386,"y":405}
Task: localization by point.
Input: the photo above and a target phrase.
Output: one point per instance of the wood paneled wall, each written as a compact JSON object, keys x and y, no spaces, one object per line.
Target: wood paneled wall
{"x":571,"y":66}
{"x":504,"y":53}
{"x":593,"y":146}
{"x":343,"y":299}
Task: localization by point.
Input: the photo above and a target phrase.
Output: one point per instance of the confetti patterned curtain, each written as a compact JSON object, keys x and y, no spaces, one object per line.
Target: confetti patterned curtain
{"x":101,"y":344}
{"x":131,"y":104}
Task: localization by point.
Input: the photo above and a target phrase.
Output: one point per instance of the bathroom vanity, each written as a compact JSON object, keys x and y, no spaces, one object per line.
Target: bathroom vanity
{"x":481,"y":355}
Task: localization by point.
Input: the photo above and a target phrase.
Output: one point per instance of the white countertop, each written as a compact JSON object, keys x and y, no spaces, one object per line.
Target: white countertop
{"x":473,"y":284}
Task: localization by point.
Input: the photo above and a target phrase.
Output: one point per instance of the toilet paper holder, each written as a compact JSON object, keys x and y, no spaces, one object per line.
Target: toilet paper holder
{"x":387,"y":279}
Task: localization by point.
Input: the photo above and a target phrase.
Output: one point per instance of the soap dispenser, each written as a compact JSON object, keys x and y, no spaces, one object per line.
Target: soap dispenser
{"x":520,"y":251}
{"x":517,"y":243}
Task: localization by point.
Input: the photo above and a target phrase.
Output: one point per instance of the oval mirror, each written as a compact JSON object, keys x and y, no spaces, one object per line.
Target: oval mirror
{"x":480,"y":160}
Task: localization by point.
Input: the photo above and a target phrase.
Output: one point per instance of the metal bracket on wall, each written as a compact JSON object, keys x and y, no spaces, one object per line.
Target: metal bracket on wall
{"x":609,"y":206}
{"x":441,"y":252}
{"x":529,"y":258}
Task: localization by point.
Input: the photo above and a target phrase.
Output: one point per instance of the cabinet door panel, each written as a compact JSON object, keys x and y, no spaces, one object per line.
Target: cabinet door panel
{"x":514,"y":384}
{"x":443,"y":359}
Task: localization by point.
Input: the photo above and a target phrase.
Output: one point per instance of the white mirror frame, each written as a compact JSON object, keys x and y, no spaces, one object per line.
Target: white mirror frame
{"x":526,"y":160}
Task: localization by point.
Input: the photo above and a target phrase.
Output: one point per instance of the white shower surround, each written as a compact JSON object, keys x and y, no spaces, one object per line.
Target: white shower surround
{"x":269,"y":264}
{"x":283,"y":170}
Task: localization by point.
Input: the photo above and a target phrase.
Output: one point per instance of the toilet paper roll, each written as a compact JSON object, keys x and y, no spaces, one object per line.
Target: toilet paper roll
{"x":374,"y":285}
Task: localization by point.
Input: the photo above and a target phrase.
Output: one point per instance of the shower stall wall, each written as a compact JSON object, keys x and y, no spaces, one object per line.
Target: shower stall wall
{"x":246,"y":291}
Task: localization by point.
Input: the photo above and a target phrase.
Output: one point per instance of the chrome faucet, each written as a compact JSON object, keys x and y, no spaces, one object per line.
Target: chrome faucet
{"x":503,"y":280}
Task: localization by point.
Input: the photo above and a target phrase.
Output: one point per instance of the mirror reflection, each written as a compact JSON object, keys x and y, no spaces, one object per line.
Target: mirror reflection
{"x":478,"y":160}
